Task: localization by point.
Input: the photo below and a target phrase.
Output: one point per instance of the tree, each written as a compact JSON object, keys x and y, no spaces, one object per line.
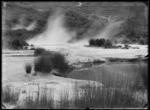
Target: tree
{"x":92,"y":42}
{"x":108,"y":44}
{"x":101,"y":42}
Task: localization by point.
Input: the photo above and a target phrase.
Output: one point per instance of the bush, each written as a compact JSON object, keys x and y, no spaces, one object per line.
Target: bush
{"x":43,"y":64}
{"x":39,"y":51}
{"x":92,"y":42}
{"x":142,"y":42}
{"x":51,"y":60}
{"x":28,"y":68}
{"x":17,"y":44}
{"x":97,"y":61}
{"x":101,"y":43}
{"x":97,"y":42}
{"x":59,"y":62}
{"x":126,"y":41}
{"x":108,"y":44}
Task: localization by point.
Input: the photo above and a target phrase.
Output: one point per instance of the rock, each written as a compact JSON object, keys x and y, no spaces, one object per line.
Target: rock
{"x":55,"y":72}
{"x":146,"y":56}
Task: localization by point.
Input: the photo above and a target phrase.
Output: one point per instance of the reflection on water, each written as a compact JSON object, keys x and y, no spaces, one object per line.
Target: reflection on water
{"x":112,"y":73}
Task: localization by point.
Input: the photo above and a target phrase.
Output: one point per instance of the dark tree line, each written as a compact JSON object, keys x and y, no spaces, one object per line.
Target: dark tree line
{"x":106,"y":43}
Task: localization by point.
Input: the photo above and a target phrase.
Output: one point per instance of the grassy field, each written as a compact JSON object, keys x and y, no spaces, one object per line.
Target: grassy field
{"x":124,"y":87}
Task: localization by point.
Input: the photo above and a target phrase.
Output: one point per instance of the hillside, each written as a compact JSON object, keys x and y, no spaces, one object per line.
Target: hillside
{"x":124,"y":20}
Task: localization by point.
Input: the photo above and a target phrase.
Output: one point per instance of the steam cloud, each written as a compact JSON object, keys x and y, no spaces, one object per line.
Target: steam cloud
{"x":111,"y":29}
{"x":21,"y":26}
{"x":56,"y":33}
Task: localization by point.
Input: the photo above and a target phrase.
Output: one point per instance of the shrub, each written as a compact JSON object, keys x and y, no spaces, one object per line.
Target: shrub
{"x":97,"y":42}
{"x":28,"y":68}
{"x":49,"y":60}
{"x":39,"y":51}
{"x":92,"y":42}
{"x":108,"y":44}
{"x":97,"y":61}
{"x":126,"y":41}
{"x":59,"y":62}
{"x":142,"y":42}
{"x":101,"y":43}
{"x":17,"y":44}
{"x":43,"y":64}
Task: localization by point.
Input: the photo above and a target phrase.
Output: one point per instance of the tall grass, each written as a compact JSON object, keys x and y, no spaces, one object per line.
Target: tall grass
{"x":43,"y":103}
{"x":9,"y":95}
{"x":43,"y":100}
{"x":144,"y":75}
{"x":124,"y":86}
{"x":116,"y":75}
{"x":64,"y":100}
{"x":88,"y":96}
{"x":121,"y":85}
{"x":97,"y":97}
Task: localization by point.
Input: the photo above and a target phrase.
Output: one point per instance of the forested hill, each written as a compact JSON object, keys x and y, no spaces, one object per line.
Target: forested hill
{"x":25,"y":20}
